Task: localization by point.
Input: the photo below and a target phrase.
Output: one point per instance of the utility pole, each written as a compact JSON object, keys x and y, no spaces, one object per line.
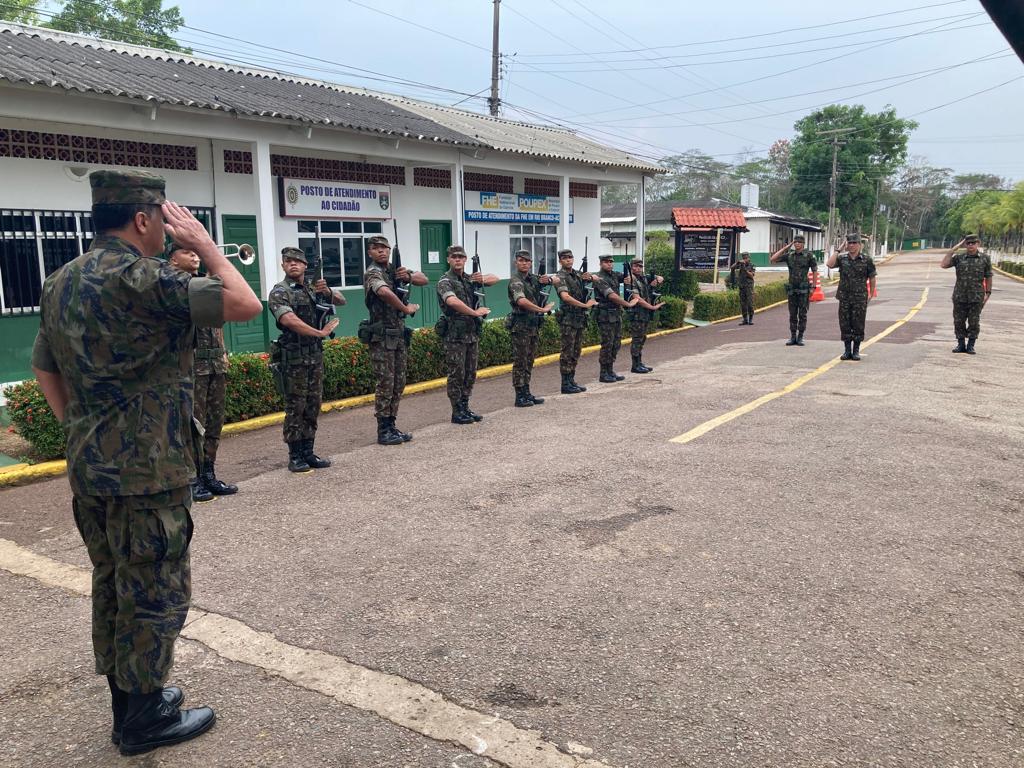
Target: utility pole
{"x":494,"y":102}
{"x":835,"y":134}
{"x":874,"y":215}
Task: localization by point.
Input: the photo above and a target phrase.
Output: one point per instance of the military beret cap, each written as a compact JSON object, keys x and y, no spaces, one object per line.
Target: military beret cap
{"x":456,"y":250}
{"x":564,"y":252}
{"x":799,"y":239}
{"x":853,"y":237}
{"x":972,"y":238}
{"x":126,"y":188}
{"x":294,"y":253}
{"x":606,"y":258}
{"x":524,"y":255}
{"x":378,"y":240}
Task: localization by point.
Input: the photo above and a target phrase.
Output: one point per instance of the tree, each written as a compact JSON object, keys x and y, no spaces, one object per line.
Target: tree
{"x":140,"y":22}
{"x":919,"y":196}
{"x":874,"y":149}
{"x":19,"y":11}
{"x":971,"y":182}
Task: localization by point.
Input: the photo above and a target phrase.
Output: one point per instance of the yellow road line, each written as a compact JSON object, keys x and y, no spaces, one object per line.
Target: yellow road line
{"x":725,"y":418}
{"x":1018,"y":278}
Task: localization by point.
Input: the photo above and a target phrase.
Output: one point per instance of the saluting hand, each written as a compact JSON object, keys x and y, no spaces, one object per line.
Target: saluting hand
{"x":185,"y":229}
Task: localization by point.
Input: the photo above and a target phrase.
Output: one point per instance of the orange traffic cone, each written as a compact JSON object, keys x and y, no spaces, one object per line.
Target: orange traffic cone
{"x":873,"y":294}
{"x":817,"y":294}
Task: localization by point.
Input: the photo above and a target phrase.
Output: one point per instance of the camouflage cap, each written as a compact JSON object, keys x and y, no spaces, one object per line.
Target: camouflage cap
{"x":127,"y":188}
{"x":564,"y":252}
{"x":853,"y":237}
{"x":744,"y":254}
{"x":637,"y":261}
{"x":456,"y":250}
{"x":606,"y":257}
{"x":524,"y":255}
{"x":378,"y":240}
{"x":294,"y":253}
{"x":972,"y":238}
{"x":799,"y":239}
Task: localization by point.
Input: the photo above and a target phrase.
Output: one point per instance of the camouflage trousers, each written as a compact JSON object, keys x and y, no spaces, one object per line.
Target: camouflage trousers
{"x":211,"y":391}
{"x":967,"y":318}
{"x":798,"y":303}
{"x":639,"y":330}
{"x":461,"y":359}
{"x":747,"y":302}
{"x":524,"y":350}
{"x":389,"y":366}
{"x":141,"y":582}
{"x":611,"y":340}
{"x":572,"y":343}
{"x":302,"y":404}
{"x":852,"y":312}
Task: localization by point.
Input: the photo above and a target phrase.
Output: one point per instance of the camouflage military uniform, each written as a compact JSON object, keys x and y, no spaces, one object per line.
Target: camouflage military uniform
{"x":969,"y":293}
{"x":572,"y":320}
{"x":799,"y":288}
{"x":387,"y":341}
{"x":639,"y":317}
{"x":211,"y":369}
{"x":461,"y":336}
{"x":852,"y":293}
{"x":120,"y":329}
{"x":302,"y":359}
{"x":524,"y":325}
{"x":609,"y":317}
{"x":745,"y":282}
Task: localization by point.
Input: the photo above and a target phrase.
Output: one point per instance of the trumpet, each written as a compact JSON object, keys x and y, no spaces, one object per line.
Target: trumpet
{"x":244,"y":252}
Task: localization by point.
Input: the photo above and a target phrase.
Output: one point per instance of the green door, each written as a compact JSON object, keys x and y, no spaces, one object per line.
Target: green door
{"x":435,"y":237}
{"x":254,"y":335}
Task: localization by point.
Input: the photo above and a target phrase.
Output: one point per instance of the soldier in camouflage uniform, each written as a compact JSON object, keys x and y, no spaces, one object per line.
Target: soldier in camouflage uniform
{"x":572,"y":318}
{"x":210,"y":369}
{"x":800,"y":262}
{"x":459,"y":328}
{"x":642,"y":315}
{"x":386,"y":334}
{"x":743,"y":272}
{"x":972,"y":289}
{"x":856,"y":287}
{"x":526,"y":298}
{"x":299,"y":353}
{"x":113,"y":357}
{"x":609,"y":317}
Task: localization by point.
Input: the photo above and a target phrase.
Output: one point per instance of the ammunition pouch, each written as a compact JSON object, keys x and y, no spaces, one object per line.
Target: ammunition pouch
{"x":607,"y":314}
{"x":441,"y":327}
{"x":280,"y":380}
{"x":407,"y":336}
{"x":393,"y":337}
{"x":462,"y":328}
{"x":370,"y":332}
{"x":210,"y":354}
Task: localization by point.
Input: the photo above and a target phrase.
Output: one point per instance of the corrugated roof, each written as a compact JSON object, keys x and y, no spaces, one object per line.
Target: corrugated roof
{"x":58,"y":60}
{"x":709,"y":218}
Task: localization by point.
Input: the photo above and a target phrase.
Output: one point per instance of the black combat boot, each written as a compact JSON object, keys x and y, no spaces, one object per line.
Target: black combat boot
{"x":311,"y":458}
{"x":296,"y":457}
{"x":474,"y":416}
{"x":855,"y":355}
{"x":522,"y":400}
{"x":849,"y":350}
{"x":215,"y":486}
{"x":536,"y":400}
{"x":172,"y":694}
{"x":607,"y":376}
{"x":800,"y":339}
{"x":386,"y":435}
{"x":637,"y":367}
{"x":576,"y":384}
{"x":200,"y":492}
{"x":459,"y":415}
{"x":750,"y":319}
{"x":151,"y":722}
{"x":567,"y":385}
{"x":960,"y":347}
{"x":618,"y":376}
{"x":792,"y":340}
{"x":645,"y":366}
{"x":406,"y":436}
{"x":970,"y":345}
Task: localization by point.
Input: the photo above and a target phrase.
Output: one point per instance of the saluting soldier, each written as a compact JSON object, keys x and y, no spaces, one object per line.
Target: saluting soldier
{"x":856,"y":287}
{"x":460,"y":328}
{"x":210,"y":369}
{"x":971,"y":292}
{"x":641,"y":316}
{"x":114,"y":359}
{"x":525,"y":297}
{"x":609,"y":316}
{"x":299,"y":352}
{"x":572,"y":318}
{"x":387,"y":335}
{"x":744,"y":281}
{"x":798,"y":289}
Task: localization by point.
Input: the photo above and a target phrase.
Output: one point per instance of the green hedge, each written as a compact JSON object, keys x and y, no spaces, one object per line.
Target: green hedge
{"x":1013,"y":267}
{"x":347,"y":372}
{"x":715,"y":306}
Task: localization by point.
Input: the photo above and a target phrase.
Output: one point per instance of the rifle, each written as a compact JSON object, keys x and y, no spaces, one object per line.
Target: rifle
{"x":322,"y":313}
{"x":627,"y":290}
{"x":482,"y":293}
{"x":583,"y":268}
{"x":545,"y":290}
{"x":401,"y":289}
{"x":654,"y":294}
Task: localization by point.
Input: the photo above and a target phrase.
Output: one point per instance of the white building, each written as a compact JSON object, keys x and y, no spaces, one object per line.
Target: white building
{"x":274,"y":160}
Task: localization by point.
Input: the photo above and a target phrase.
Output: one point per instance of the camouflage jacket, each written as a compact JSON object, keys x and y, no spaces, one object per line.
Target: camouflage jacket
{"x":854,"y":274}
{"x":375,"y":278}
{"x":642,"y":286}
{"x":605,"y":284}
{"x":211,"y":357}
{"x":460,"y":327}
{"x":288,"y":296}
{"x":744,"y":274}
{"x":120,"y":329}
{"x":799,"y":264}
{"x":970,"y":271}
{"x":529,"y":288}
{"x":572,"y":283}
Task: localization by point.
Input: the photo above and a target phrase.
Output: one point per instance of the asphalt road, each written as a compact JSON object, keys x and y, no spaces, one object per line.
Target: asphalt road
{"x":831,"y":579}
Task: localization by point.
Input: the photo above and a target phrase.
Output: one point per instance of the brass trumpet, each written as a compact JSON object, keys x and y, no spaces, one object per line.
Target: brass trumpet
{"x":244,"y":252}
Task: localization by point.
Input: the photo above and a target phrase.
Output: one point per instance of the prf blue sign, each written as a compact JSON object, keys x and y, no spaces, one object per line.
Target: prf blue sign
{"x":502,"y":207}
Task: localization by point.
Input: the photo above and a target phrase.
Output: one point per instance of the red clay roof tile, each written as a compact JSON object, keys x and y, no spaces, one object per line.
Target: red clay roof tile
{"x":709,"y":218}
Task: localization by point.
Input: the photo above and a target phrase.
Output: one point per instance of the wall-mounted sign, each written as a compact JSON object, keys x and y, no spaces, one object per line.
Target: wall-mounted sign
{"x":499,"y":206}
{"x":312,"y":199}
{"x":699,"y":250}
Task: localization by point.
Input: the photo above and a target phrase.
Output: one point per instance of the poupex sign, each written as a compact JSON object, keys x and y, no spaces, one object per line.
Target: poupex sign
{"x":499,"y":206}
{"x":333,"y":199}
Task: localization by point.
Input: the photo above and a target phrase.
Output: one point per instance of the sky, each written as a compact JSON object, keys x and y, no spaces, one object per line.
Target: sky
{"x":659,"y":78}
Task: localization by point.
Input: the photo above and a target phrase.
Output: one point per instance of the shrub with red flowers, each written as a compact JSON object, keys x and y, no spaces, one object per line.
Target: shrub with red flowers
{"x":32,"y":418}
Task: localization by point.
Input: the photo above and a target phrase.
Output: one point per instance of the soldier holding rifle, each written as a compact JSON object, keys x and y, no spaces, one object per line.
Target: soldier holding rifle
{"x":743,"y":279}
{"x":609,"y":316}
{"x":572,"y":317}
{"x":642,"y":314}
{"x":529,"y":305}
{"x":297,"y":357}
